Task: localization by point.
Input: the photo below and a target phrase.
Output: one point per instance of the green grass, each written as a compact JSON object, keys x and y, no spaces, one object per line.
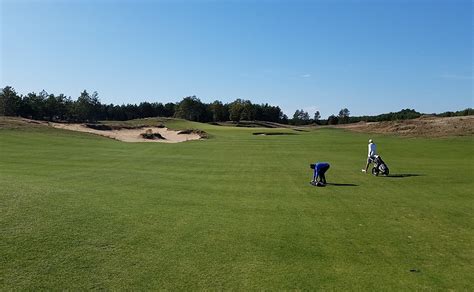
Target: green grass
{"x":78,"y":211}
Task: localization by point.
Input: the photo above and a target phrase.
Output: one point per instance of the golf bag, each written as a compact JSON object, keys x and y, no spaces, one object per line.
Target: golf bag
{"x":379,"y":166}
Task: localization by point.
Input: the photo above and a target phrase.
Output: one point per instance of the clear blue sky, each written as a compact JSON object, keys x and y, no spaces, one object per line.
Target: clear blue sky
{"x":369,"y":56}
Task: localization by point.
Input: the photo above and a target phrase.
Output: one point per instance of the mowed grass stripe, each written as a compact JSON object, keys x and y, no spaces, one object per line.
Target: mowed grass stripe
{"x":233,"y":212}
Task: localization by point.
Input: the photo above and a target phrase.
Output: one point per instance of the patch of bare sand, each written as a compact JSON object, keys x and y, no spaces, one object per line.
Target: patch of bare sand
{"x":132,"y":135}
{"x":425,"y":126}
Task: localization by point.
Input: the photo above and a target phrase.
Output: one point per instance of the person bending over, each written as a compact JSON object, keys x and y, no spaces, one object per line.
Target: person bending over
{"x":320,"y":169}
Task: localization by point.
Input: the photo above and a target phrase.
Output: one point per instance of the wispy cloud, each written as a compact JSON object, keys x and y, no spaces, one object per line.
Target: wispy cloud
{"x":457,"y":77}
{"x":306,"y":75}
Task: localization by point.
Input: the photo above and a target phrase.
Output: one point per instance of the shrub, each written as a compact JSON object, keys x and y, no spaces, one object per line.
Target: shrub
{"x":152,"y":136}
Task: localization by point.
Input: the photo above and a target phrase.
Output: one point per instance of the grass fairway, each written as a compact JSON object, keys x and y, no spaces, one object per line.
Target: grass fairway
{"x":78,"y":211}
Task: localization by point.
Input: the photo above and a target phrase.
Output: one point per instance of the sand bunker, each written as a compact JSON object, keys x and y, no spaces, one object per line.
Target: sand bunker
{"x":133,"y":135}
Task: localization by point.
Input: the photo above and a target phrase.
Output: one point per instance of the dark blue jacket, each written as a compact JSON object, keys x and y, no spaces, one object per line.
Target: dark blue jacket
{"x":319,"y":166}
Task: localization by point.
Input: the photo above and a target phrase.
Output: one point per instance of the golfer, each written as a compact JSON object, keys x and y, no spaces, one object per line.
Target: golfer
{"x":371,"y":154}
{"x":320,"y":169}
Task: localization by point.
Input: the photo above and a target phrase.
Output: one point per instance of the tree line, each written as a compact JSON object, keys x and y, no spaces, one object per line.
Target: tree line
{"x":302,"y":117}
{"x":88,"y":108}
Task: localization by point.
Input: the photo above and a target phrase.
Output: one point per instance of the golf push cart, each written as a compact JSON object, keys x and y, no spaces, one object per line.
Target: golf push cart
{"x":379,"y":166}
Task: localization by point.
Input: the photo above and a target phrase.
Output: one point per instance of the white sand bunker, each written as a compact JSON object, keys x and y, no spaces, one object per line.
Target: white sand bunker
{"x":134,"y":135}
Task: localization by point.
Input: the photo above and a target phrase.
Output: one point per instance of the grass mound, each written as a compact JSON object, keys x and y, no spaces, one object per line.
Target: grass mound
{"x":424,"y":126}
{"x":19,"y":123}
{"x":201,"y":133}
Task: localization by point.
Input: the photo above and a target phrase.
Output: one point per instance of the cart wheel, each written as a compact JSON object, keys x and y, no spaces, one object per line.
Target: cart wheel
{"x":375,"y":171}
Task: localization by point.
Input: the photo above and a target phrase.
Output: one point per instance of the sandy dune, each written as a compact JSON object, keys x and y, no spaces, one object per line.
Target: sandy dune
{"x":132,"y":135}
{"x":425,"y":126}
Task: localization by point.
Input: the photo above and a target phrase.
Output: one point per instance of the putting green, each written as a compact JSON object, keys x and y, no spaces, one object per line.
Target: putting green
{"x":236,"y":211}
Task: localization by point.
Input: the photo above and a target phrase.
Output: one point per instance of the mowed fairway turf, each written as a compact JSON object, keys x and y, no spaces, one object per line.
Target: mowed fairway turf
{"x":236,"y":211}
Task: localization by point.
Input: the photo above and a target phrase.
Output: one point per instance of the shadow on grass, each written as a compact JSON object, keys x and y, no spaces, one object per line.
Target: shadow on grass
{"x":402,"y":175}
{"x":272,"y":133}
{"x":342,"y":185}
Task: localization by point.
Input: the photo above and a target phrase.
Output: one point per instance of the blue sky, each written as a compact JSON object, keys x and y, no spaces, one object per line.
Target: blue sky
{"x":369,"y":56}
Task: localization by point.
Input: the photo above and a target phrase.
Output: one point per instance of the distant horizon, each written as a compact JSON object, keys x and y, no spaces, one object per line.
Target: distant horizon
{"x":289,"y":115}
{"x":371,"y":57}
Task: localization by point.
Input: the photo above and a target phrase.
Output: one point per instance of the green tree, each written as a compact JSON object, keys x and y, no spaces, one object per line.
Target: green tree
{"x":191,"y":108}
{"x":169,"y":109}
{"x":87,"y":106}
{"x":52,"y":107}
{"x":266,"y":112}
{"x":146,"y":110}
{"x":300,"y":117}
{"x":235,"y":110}
{"x":333,"y":120}
{"x":32,"y":106}
{"x":343,"y":116}
{"x":317,"y":116}
{"x":248,"y":111}
{"x":218,"y":111}
{"x":10,"y":102}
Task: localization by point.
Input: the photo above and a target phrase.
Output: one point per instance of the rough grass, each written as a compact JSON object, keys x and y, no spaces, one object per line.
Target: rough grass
{"x":78,"y":211}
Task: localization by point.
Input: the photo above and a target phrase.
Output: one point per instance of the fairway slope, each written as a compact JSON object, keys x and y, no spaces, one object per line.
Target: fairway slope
{"x":236,"y":212}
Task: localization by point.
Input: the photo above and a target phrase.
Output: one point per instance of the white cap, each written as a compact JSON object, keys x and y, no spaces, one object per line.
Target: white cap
{"x":370,"y":141}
